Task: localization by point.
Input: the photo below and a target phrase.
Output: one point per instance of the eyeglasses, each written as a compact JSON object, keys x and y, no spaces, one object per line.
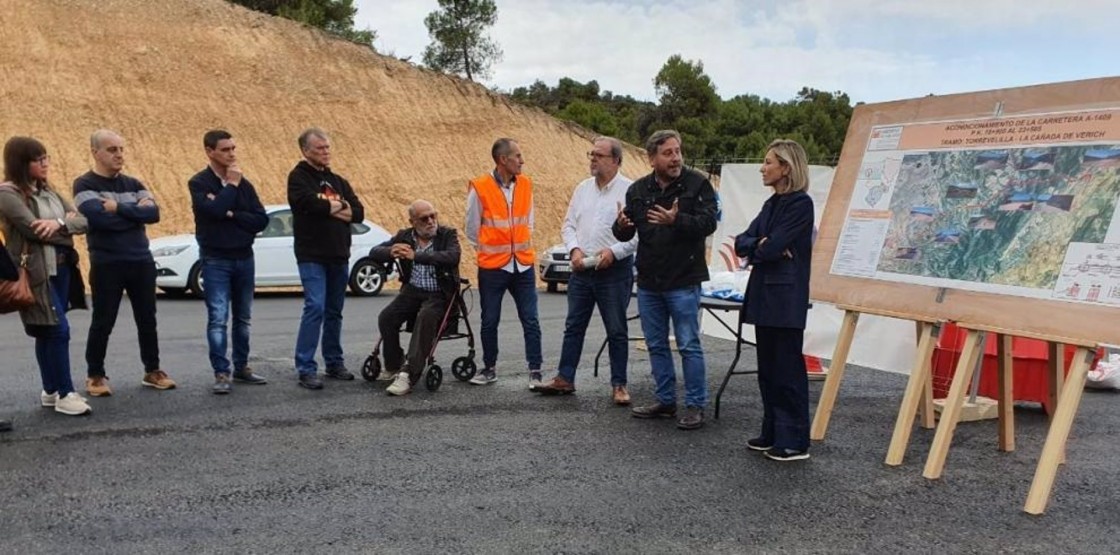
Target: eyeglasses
{"x":44,"y":159}
{"x":596,"y":156}
{"x":427,"y":217}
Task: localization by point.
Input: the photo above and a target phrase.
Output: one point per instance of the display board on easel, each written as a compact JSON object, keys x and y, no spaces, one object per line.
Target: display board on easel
{"x":940,"y":209}
{"x":997,"y":210}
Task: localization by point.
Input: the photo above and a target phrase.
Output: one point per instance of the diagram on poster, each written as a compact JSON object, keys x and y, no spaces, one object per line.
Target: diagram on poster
{"x":1001,"y":206}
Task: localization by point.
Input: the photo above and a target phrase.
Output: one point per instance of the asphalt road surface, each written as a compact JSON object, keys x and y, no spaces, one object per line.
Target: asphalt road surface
{"x":495,"y":469}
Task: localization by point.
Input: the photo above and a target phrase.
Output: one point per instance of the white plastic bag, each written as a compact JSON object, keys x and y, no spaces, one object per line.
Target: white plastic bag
{"x":1106,"y":375}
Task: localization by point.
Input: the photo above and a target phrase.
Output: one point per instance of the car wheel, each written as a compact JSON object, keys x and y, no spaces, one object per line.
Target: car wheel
{"x":367,"y":278}
{"x":194,"y":280}
{"x":552,"y":286}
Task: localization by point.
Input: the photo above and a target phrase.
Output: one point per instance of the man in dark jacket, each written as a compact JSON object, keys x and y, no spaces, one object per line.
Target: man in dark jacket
{"x":118,"y":208}
{"x":428,"y":254}
{"x":323,"y":207}
{"x":227,"y":217}
{"x":673,"y":210}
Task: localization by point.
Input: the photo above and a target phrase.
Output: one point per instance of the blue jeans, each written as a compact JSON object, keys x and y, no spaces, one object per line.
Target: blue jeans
{"x":228,"y":283}
{"x":522,"y":286}
{"x":683,"y":307}
{"x":610,"y":290}
{"x":324,"y":292}
{"x":52,"y":343}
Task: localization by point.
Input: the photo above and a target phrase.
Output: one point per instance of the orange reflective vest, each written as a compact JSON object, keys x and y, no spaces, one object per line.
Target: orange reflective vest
{"x":504,"y":230}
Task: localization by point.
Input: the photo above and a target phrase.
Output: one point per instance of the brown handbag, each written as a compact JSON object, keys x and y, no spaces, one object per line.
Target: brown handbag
{"x":17,"y":295}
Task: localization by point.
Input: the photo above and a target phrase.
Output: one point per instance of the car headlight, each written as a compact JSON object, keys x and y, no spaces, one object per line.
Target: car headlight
{"x":163,"y":252}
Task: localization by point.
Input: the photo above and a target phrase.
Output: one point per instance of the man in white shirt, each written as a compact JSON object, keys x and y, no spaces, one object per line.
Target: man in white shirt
{"x":602,"y":270}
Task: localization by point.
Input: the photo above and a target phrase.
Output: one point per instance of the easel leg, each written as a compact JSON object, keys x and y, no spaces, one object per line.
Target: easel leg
{"x":1056,"y":438}
{"x":1056,"y":357}
{"x":915,"y":389}
{"x":951,"y":413}
{"x":835,"y":374}
{"x":1006,"y":394}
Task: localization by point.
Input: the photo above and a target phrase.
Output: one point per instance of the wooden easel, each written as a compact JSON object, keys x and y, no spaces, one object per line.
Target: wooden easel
{"x":1065,"y":400}
{"x":918,"y":397}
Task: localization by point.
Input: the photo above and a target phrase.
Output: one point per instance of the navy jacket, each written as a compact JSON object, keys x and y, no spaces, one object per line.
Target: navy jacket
{"x":778,"y":289}
{"x":226,"y":225}
{"x":115,"y":236}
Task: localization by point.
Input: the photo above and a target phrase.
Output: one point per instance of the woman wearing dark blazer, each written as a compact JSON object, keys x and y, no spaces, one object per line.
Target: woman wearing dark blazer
{"x":778,"y":246}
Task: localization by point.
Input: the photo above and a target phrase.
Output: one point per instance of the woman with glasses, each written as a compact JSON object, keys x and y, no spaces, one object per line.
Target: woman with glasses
{"x":778,"y":246}
{"x":40,"y":223}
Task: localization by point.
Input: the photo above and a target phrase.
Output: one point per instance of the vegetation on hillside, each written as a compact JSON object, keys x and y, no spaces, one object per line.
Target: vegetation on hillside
{"x":333,"y":16}
{"x":714,"y":130}
{"x":459,"y":41}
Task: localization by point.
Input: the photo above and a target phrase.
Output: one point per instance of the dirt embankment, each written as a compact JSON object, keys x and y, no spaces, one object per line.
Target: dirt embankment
{"x":162,"y":73}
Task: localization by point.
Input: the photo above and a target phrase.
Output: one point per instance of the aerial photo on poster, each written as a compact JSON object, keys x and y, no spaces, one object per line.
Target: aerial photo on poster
{"x":1020,"y":219}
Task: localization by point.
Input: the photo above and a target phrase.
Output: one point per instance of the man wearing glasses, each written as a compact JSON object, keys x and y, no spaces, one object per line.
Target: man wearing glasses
{"x":323,"y":207}
{"x":602,"y":270}
{"x":428,"y":254}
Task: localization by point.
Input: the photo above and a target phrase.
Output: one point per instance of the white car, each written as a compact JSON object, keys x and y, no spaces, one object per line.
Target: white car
{"x":178,"y":270}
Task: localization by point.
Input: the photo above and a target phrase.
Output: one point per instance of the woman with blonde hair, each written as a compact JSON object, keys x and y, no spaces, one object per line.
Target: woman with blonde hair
{"x":778,"y":246}
{"x":39,"y":223}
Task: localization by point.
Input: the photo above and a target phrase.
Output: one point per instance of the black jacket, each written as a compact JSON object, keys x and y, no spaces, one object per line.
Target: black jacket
{"x":671,"y":256}
{"x":778,"y":288}
{"x":218,"y":234}
{"x":8,"y":269}
{"x":318,"y":236}
{"x":444,"y":256}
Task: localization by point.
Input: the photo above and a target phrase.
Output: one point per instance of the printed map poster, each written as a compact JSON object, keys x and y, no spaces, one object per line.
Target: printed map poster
{"x":1026,"y":206}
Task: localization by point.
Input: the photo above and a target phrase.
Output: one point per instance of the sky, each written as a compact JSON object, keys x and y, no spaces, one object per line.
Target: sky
{"x":873,"y":50}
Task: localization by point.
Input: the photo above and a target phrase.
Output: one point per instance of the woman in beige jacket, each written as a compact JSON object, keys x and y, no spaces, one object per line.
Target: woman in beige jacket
{"x":40,"y":224}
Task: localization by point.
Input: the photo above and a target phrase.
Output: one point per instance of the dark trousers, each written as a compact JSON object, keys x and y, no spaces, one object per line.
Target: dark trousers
{"x":522,"y":286}
{"x":52,"y":343}
{"x":784,"y":384}
{"x":428,"y":308}
{"x":108,"y":282}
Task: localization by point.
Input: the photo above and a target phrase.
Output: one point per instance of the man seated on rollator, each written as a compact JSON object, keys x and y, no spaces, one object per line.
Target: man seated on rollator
{"x":428,"y":254}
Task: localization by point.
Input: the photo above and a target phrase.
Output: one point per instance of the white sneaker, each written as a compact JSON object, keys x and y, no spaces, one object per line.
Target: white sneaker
{"x":535,"y":380}
{"x":73,"y":405}
{"x":386,"y":375}
{"x":400,"y":385}
{"x":48,"y":399}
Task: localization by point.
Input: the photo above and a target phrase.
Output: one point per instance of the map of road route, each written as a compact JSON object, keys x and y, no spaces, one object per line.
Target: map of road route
{"x":1026,"y":206}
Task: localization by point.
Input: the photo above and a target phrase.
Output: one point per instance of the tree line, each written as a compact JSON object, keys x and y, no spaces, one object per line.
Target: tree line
{"x":714,"y":130}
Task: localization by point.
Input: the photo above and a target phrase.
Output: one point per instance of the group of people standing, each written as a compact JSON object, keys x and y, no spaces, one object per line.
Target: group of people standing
{"x":657,"y":225}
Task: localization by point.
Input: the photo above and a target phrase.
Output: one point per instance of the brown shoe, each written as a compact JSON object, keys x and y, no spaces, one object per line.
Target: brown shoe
{"x":620,"y":396}
{"x":693,"y":419}
{"x":655,"y":410}
{"x":556,"y":386}
{"x":98,"y":386}
{"x":158,"y":379}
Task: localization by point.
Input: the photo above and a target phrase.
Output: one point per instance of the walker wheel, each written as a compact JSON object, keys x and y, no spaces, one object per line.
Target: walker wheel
{"x":434,"y":377}
{"x":371,"y":368}
{"x":463,"y":368}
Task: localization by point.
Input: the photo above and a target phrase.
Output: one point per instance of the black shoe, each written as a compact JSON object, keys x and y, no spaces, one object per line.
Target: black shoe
{"x":5,"y":425}
{"x":759,"y":444}
{"x":656,"y":410}
{"x":222,"y":384}
{"x":310,"y":381}
{"x":693,"y":419}
{"x":786,"y":455}
{"x":340,"y":373}
{"x":246,"y":375}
